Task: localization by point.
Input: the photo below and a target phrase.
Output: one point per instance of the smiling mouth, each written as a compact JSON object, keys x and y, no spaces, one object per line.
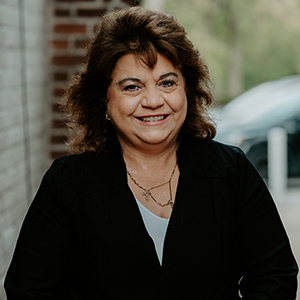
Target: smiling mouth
{"x":153,"y":119}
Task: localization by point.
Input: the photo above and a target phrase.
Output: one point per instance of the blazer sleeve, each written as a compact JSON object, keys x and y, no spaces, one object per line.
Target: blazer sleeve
{"x":40,"y":258}
{"x":268,"y":266}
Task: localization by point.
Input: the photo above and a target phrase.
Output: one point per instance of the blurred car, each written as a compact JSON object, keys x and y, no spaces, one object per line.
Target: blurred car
{"x":246,"y":121}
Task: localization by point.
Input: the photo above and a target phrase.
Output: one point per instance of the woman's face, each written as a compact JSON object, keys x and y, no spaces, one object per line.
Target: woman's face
{"x":146,"y":106}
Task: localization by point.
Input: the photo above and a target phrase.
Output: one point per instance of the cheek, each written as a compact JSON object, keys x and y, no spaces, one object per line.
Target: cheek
{"x":114,"y":105}
{"x":119,"y":107}
{"x":179,"y":104}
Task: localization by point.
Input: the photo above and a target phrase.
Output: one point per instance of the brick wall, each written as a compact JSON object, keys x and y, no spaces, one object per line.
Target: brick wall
{"x":73,"y":26}
{"x":23,"y":114}
{"x":42,"y":44}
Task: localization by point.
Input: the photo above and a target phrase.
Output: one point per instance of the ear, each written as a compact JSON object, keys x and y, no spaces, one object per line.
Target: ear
{"x":107,"y":115}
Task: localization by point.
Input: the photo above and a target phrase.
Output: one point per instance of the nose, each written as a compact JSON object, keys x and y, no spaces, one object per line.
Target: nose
{"x":153,"y":98}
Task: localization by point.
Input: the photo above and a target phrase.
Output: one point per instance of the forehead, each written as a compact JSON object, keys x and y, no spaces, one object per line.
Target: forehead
{"x":130,"y":65}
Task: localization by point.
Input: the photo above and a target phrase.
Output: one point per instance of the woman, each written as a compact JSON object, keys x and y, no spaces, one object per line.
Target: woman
{"x":152,"y":208}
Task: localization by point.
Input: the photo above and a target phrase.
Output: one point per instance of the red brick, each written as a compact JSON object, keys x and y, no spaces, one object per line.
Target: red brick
{"x":58,"y":139}
{"x":70,"y":28}
{"x":58,"y":92}
{"x":60,"y":76}
{"x":67,"y":60}
{"x":57,"y":44}
{"x":56,"y":107}
{"x":62,"y":12}
{"x":57,"y":154}
{"x":81,"y":43}
{"x":91,"y":12}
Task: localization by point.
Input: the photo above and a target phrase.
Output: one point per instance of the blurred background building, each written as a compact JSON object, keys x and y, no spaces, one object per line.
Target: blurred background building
{"x":42,"y":42}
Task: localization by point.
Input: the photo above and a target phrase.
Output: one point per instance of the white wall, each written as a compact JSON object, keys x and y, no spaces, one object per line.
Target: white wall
{"x":24,"y":120}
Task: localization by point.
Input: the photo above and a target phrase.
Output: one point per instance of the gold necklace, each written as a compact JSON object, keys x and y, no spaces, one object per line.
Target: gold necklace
{"x":147,"y":192}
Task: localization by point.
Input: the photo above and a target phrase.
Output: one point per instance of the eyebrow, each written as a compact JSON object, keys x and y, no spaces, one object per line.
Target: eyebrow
{"x":138,"y":80}
{"x":167,"y":75}
{"x":128,"y":79}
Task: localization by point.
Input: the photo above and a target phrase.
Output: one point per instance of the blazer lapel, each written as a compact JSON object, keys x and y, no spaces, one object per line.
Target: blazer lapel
{"x":115,"y":230}
{"x":193,"y":234}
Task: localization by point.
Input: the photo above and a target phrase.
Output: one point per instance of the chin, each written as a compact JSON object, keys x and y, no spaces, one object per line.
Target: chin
{"x":156,"y":140}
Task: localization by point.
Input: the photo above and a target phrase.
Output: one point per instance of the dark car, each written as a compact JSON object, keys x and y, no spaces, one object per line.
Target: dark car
{"x":246,"y":121}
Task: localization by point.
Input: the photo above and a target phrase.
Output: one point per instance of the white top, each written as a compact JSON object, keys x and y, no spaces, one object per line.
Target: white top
{"x":156,"y":227}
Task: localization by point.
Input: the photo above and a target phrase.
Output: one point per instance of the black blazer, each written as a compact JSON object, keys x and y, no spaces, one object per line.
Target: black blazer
{"x":84,"y":238}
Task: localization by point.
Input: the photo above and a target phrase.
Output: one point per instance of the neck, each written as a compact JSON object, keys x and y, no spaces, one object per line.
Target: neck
{"x":149,"y":155}
{"x":153,"y":175}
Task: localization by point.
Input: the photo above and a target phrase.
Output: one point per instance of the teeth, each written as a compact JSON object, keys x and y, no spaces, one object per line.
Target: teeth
{"x":151,"y":119}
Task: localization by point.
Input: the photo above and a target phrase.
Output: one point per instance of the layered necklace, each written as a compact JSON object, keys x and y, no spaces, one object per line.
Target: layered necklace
{"x":147,"y":192}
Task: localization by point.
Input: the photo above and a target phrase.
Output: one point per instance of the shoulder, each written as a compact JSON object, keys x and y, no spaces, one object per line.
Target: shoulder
{"x":211,"y":157}
{"x":69,"y":163}
{"x":189,"y":143}
{"x":66,"y":167}
{"x":221,"y":163}
{"x":80,"y":163}
{"x":73,"y":177}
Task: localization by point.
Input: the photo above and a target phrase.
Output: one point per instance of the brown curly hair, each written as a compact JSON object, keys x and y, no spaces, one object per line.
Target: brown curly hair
{"x":144,"y":33}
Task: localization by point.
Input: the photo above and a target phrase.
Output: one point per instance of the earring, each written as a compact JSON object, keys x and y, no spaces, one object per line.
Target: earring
{"x":107,"y":117}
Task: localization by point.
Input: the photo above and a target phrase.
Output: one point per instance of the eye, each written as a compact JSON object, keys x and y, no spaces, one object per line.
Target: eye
{"x":168,"y":83}
{"x":131,"y":88}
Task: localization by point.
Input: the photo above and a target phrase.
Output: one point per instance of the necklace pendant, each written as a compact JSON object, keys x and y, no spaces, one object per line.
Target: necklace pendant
{"x":147,"y":193}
